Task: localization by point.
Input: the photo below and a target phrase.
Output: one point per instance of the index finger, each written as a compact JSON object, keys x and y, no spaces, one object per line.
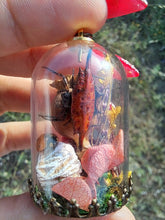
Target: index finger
{"x":30,"y":23}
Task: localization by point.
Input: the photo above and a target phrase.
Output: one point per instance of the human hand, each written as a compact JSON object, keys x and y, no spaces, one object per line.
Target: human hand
{"x":26,"y":27}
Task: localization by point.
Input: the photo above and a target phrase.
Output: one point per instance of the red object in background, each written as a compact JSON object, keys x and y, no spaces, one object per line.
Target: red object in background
{"x":118,"y":8}
{"x":130,"y":70}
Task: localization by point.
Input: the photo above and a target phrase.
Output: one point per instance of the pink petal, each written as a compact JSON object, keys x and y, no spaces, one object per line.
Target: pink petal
{"x":74,"y":188}
{"x":99,"y":159}
{"x":118,"y":8}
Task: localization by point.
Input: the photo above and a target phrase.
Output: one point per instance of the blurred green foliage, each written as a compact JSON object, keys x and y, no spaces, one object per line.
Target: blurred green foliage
{"x":15,"y":168}
{"x":139,"y":38}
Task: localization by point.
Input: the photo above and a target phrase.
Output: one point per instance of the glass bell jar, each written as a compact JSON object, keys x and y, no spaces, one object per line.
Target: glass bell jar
{"x":79,"y":144}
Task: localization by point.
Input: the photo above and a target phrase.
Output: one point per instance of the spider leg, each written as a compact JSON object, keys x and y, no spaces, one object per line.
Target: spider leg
{"x":58,"y":74}
{"x":50,"y":118}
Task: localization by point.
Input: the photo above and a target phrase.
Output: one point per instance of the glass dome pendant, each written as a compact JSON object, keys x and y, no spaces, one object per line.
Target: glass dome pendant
{"x":79,"y":116}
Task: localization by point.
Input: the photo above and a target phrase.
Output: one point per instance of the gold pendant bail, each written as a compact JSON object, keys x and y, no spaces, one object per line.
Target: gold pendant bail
{"x":81,"y":35}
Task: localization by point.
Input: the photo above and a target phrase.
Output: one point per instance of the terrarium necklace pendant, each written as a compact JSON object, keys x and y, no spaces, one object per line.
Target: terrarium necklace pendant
{"x":79,"y":118}
{"x":80,"y":131}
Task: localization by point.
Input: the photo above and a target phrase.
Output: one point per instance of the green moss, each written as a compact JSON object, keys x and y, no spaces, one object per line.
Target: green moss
{"x":104,"y":191}
{"x":82,"y":212}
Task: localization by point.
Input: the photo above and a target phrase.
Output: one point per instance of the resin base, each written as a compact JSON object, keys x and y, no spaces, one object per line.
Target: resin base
{"x":57,"y":205}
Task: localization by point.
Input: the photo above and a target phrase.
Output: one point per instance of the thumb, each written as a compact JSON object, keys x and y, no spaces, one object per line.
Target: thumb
{"x":22,"y":207}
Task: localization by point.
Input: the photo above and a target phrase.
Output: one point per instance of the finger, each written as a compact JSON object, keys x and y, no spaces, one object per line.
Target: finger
{"x":123,"y":214}
{"x":21,"y":64}
{"x":14,"y":136}
{"x":14,"y":94}
{"x":22,"y":208}
{"x":28,"y":23}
